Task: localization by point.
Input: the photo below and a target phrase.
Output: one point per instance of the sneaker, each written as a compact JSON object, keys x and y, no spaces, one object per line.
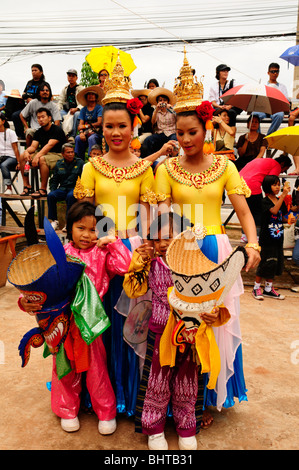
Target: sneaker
{"x":273,"y":294}
{"x":8,"y":192}
{"x":187,"y":443}
{"x":70,"y":425}
{"x":55,"y":224}
{"x":157,"y":442}
{"x":107,"y":427}
{"x":257,"y":294}
{"x":244,"y":238}
{"x":295,"y":289}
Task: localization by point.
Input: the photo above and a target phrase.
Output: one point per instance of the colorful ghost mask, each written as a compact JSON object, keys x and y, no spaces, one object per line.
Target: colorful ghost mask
{"x":199,"y":286}
{"x":45,"y":274}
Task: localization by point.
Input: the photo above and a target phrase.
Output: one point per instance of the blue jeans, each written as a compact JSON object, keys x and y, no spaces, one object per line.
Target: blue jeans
{"x":276,"y":118}
{"x":59,"y":195}
{"x":6,"y":166}
{"x":296,"y":252}
{"x":75,"y":121}
{"x":81,"y":145}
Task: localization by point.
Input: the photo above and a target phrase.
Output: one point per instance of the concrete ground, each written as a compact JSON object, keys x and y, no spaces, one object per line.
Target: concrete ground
{"x":268,"y":421}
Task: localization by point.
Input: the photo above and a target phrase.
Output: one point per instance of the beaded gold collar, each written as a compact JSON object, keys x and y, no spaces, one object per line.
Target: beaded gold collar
{"x":198,"y":180}
{"x":118,"y":173}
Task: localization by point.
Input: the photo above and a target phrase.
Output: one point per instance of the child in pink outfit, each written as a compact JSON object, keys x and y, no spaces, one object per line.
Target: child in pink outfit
{"x":104,"y":259}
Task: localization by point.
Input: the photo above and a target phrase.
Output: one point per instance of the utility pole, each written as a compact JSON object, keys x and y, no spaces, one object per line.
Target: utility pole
{"x":296,"y":69}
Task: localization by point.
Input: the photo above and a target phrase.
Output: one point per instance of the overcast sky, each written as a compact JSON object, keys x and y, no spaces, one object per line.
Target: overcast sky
{"x":37,"y":26}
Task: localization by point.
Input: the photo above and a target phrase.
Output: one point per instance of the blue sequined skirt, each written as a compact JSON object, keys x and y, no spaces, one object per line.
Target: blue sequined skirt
{"x":123,"y":363}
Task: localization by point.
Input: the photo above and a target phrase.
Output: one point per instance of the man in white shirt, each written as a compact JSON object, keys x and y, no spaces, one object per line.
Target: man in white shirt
{"x":68,"y":104}
{"x":276,"y":118}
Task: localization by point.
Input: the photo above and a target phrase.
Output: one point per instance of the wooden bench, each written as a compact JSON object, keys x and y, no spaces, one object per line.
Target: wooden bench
{"x":8,"y":198}
{"x":18,"y":232}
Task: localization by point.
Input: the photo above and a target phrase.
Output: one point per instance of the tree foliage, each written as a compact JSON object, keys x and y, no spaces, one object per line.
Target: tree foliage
{"x":88,"y":76}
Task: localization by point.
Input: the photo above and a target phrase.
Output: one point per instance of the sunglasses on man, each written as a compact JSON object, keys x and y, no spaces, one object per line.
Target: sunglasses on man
{"x":274,"y":71}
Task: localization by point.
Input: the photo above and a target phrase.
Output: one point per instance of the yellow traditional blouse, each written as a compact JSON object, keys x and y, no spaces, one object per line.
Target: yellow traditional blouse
{"x":199,"y":195}
{"x":118,"y":190}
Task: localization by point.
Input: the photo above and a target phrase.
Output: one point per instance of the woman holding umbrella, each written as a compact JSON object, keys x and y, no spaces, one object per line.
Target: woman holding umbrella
{"x":252,"y":144}
{"x":102,"y":75}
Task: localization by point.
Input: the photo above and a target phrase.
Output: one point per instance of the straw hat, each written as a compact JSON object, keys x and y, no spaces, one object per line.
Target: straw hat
{"x":153,"y":95}
{"x":81,"y":97}
{"x":46,"y":270}
{"x":44,"y":274}
{"x":199,"y":283}
{"x":143,"y":92}
{"x":14,"y":94}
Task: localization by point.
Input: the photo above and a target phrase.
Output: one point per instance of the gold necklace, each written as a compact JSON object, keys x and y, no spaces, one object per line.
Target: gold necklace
{"x":119,"y":173}
{"x":200,"y":179}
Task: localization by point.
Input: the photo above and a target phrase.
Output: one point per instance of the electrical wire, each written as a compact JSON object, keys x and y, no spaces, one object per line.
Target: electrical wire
{"x":137,"y":27}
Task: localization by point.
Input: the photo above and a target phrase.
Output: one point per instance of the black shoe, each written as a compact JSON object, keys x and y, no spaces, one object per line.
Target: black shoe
{"x":273,"y":294}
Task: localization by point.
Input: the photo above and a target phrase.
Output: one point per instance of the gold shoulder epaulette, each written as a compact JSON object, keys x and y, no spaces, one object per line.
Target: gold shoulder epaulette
{"x":80,"y":192}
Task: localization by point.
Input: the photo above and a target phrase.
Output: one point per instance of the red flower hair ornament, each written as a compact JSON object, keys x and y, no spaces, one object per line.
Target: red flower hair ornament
{"x":205,"y":111}
{"x":134,"y":105}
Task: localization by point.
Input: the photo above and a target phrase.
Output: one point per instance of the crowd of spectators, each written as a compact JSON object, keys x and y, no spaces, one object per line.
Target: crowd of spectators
{"x":75,"y":118}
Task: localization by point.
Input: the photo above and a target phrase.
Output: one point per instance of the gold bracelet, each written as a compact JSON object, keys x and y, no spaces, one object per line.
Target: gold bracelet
{"x":255,"y":246}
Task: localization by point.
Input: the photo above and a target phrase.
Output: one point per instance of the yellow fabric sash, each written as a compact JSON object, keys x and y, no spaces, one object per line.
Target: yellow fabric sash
{"x":215,"y":229}
{"x":135,"y":282}
{"x":205,"y":344}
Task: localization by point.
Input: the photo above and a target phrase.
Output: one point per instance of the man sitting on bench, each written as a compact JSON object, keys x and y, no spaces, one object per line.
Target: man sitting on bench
{"x":43,"y":153}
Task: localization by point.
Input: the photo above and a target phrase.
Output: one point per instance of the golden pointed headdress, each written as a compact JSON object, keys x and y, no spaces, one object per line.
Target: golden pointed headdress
{"x":117,"y":87}
{"x":188,"y":91}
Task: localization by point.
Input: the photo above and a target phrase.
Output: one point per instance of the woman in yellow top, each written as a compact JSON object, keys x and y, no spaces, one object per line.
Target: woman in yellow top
{"x":119,"y":182}
{"x":193,"y":185}
{"x":118,"y":179}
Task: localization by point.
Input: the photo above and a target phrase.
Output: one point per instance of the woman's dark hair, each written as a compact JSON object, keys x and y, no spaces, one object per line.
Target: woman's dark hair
{"x":4,"y":118}
{"x":102,"y":70}
{"x":39,"y":67}
{"x":191,"y":113}
{"x":116,"y":106}
{"x":41,"y":87}
{"x":218,"y":112}
{"x":285,"y":159}
{"x":84,"y":209}
{"x":253,"y":116}
{"x":2,"y":84}
{"x":268,"y":181}
{"x":154,"y":81}
{"x":175,"y":222}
